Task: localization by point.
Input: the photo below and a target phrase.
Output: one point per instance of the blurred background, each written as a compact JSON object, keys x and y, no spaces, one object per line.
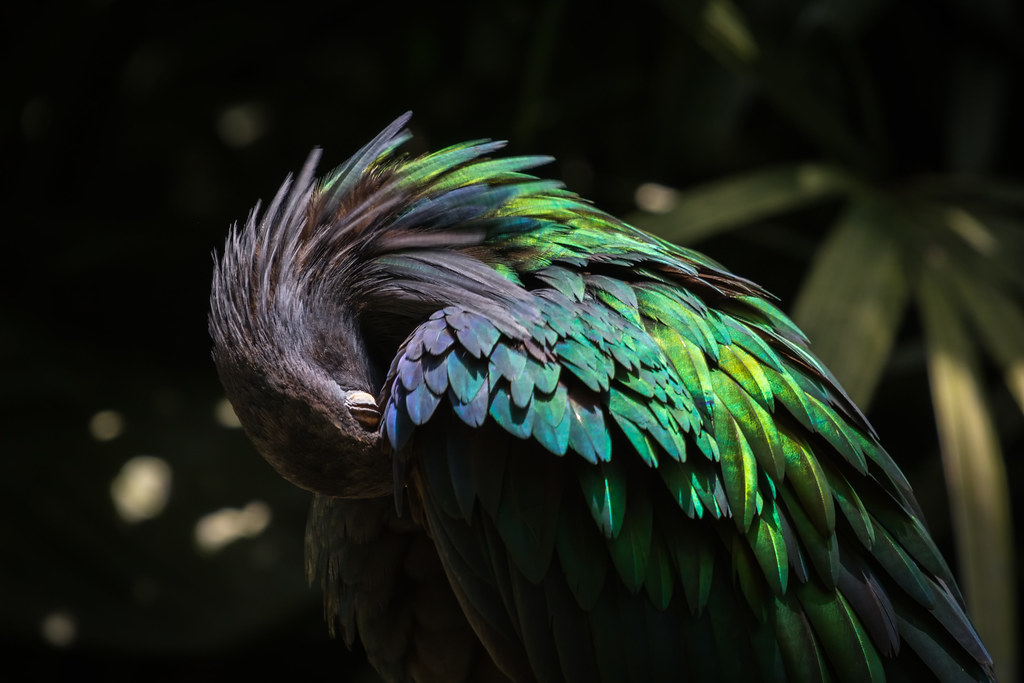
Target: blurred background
{"x":862,"y":159}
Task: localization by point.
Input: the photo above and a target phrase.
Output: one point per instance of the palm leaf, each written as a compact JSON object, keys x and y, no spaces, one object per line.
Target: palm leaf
{"x":854,"y":296}
{"x":716,"y":207}
{"x":973,"y":462}
{"x":1000,"y":324}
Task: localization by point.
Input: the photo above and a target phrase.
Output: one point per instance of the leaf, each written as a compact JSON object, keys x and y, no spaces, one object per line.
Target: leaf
{"x":973,"y":462}
{"x":976,"y":105}
{"x":1001,"y":325}
{"x":712,"y":208}
{"x":721,"y":28}
{"x":852,"y":301}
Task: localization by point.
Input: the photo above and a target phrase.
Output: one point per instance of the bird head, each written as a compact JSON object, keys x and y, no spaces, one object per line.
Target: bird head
{"x":289,"y":350}
{"x":315,"y":295}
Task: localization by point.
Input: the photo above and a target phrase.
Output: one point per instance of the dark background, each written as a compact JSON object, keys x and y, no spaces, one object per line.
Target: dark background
{"x":134,"y":134}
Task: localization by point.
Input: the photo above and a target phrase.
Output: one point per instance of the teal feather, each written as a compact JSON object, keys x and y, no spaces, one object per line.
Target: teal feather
{"x":568,"y":282}
{"x":398,"y":425}
{"x":769,"y":547}
{"x":878,"y":455}
{"x":757,"y":425}
{"x":550,"y":407}
{"x":589,"y":365}
{"x":694,"y":559}
{"x":738,"y":467}
{"x":810,"y":484}
{"x":660,"y":581}
{"x":475,"y":335}
{"x":671,"y":428}
{"x":527,"y":522}
{"x":749,"y":578}
{"x":460,"y":467}
{"x":466,"y":376}
{"x":636,"y":420}
{"x":472,"y":411}
{"x":827,"y":423}
{"x":521,"y":390}
{"x":604,"y":490}
{"x":435,"y":374}
{"x":431,"y":166}
{"x":639,"y":380}
{"x":630,"y":548}
{"x":821,"y":549}
{"x":678,"y":477}
{"x":571,"y":631}
{"x":787,"y":392}
{"x":581,"y":553}
{"x":588,"y":433}
{"x":842,"y":636}
{"x":436,"y":337}
{"x":545,"y":375}
{"x":641,"y":442}
{"x":411,"y":374}
{"x":509,"y":362}
{"x":554,"y":437}
{"x":934,"y":652}
{"x":898,"y":563}
{"x":346,"y":177}
{"x":798,"y":643}
{"x":772,"y":319}
{"x":747,"y":372}
{"x":515,"y":420}
{"x":420,"y":404}
{"x":797,"y":557}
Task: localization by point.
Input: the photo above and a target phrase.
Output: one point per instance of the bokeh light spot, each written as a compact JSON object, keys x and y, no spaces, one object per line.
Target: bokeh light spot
{"x":141,"y":489}
{"x":227,"y":525}
{"x":242,"y":125}
{"x":59,"y":629}
{"x":655,"y":198}
{"x":106,"y":425}
{"x":225,"y":414}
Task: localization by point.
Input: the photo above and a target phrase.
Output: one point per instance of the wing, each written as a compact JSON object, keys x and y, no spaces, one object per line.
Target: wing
{"x":629,"y":463}
{"x":651,"y":478}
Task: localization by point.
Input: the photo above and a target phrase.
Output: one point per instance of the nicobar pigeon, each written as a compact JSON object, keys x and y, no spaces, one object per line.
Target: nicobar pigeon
{"x":545,"y":445}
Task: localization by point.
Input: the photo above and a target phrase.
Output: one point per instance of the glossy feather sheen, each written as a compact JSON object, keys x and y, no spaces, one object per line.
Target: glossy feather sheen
{"x":629,"y":460}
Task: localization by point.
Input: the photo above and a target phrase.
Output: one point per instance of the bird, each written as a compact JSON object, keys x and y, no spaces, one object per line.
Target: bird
{"x":545,"y":445}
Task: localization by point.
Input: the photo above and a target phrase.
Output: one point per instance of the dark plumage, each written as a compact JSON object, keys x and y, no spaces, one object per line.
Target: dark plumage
{"x":612,"y":459}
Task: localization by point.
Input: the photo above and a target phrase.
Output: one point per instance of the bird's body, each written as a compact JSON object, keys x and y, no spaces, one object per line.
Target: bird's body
{"x":612,"y":459}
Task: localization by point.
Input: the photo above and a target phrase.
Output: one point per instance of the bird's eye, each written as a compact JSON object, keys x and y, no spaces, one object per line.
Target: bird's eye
{"x":363,"y":408}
